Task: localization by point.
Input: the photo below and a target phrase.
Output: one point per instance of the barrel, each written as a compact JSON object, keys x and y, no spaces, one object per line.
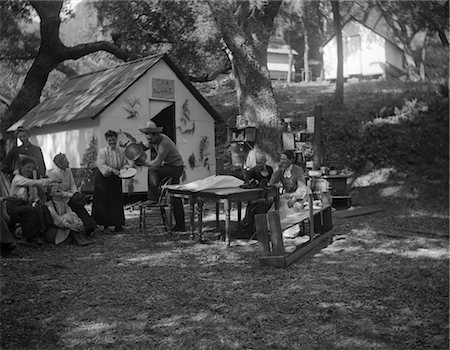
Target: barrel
{"x":320,"y":185}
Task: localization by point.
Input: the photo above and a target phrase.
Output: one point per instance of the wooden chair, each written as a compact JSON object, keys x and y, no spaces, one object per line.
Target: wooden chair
{"x":162,"y":205}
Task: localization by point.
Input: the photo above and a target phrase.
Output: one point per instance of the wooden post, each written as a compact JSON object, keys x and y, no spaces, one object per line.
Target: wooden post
{"x":311,"y":217}
{"x":276,"y":236}
{"x":317,"y":138}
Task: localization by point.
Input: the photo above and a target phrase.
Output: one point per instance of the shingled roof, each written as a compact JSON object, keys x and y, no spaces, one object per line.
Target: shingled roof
{"x":86,"y":96}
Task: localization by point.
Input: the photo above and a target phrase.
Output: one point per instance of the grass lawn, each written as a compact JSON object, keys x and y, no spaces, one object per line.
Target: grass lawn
{"x":375,"y":286}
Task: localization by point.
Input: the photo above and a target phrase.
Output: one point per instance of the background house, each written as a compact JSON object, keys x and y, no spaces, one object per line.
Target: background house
{"x":279,"y":55}
{"x":367,"y":53}
{"x":124,"y":98}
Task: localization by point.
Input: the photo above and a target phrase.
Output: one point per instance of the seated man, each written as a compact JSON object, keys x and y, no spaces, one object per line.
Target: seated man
{"x":69,"y":191}
{"x":258,"y":176}
{"x":167,"y":163}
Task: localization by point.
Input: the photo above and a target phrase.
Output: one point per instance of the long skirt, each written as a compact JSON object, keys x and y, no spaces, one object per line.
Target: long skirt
{"x":107,"y":209}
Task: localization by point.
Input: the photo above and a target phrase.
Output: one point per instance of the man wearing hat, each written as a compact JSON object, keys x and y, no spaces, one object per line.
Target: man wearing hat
{"x":69,"y":191}
{"x":167,"y":163}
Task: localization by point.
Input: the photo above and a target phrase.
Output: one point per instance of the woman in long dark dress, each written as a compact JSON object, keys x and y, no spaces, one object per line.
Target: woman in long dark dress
{"x":107,"y":209}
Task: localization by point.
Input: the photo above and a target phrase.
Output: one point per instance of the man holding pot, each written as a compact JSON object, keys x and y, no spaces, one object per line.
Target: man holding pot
{"x":167,"y":163}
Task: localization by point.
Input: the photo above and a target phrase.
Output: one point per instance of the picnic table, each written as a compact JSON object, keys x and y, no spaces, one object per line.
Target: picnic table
{"x":226,"y":196}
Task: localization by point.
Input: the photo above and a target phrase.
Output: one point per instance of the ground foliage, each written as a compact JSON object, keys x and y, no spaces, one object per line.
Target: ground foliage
{"x":373,"y":287}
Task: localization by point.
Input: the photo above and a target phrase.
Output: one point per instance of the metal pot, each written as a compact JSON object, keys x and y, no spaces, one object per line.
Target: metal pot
{"x":134,"y":151}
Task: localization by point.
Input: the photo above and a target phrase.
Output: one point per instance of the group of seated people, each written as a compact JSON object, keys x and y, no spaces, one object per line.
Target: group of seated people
{"x":64,"y":206}
{"x":40,"y":205}
{"x":289,"y":177}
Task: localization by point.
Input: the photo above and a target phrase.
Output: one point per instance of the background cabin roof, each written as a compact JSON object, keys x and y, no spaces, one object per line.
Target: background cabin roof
{"x":374,"y":24}
{"x":278,"y":45}
{"x":87,"y":95}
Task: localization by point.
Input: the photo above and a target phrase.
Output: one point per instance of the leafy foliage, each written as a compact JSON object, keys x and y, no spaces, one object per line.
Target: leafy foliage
{"x":183,"y":29}
{"x":19,"y":39}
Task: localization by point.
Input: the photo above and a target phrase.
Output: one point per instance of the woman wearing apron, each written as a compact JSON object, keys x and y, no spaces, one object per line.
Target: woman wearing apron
{"x":107,"y":209}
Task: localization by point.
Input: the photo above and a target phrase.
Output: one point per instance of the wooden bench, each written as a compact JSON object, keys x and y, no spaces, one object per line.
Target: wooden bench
{"x":269,"y":231}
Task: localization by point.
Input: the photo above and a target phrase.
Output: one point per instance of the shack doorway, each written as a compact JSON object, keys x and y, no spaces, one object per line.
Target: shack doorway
{"x":163,"y":114}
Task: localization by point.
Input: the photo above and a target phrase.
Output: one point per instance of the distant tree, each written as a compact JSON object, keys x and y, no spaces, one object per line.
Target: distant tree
{"x":245,"y":27}
{"x":339,"y":93}
{"x":407,"y":19}
{"x":288,"y":25}
{"x":300,"y":24}
{"x":435,"y":15}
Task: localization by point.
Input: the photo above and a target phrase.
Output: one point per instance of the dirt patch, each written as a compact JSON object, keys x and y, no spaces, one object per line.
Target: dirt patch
{"x":133,"y":291}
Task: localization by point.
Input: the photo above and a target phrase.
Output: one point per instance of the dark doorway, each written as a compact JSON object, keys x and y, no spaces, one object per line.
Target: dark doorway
{"x":166,"y":119}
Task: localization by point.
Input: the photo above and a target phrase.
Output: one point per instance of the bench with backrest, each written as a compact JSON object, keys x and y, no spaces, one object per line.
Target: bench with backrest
{"x":269,"y":231}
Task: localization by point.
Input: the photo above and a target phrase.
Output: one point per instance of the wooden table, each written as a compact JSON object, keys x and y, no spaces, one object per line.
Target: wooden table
{"x":225,"y":196}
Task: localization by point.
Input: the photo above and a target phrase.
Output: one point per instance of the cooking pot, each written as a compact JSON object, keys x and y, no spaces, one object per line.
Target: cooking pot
{"x":135,"y":152}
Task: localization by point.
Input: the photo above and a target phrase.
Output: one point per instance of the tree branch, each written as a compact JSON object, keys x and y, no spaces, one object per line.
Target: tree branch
{"x":68,"y":71}
{"x":436,"y":26}
{"x":5,"y":100}
{"x":212,"y":76}
{"x":78,"y":51}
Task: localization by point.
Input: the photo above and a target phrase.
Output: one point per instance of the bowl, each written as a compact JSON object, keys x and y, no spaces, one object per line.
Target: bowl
{"x":127,"y":173}
{"x":315,"y":173}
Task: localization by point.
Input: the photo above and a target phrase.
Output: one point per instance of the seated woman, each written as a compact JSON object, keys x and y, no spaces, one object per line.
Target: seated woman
{"x":294,"y":189}
{"x":258,"y":176}
{"x":68,"y":191}
{"x":65,"y":218}
{"x":25,"y":206}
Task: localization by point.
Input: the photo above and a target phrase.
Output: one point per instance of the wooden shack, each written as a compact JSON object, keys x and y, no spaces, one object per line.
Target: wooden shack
{"x":124,"y":98}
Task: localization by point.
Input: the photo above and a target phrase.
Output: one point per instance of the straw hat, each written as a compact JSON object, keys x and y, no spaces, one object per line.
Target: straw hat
{"x":56,"y":235}
{"x":151,"y":128}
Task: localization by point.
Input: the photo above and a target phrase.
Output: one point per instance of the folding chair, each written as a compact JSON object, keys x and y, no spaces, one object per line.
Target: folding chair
{"x":162,"y":204}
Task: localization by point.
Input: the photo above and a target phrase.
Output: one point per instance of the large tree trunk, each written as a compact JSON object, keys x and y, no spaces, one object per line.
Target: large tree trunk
{"x":246,"y":33}
{"x":30,"y":92}
{"x":51,"y":53}
{"x":339,"y":93}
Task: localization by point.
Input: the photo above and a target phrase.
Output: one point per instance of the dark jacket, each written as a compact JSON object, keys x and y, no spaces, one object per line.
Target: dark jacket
{"x":11,"y":161}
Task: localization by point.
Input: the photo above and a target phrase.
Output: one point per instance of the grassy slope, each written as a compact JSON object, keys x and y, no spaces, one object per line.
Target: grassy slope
{"x":416,"y":149}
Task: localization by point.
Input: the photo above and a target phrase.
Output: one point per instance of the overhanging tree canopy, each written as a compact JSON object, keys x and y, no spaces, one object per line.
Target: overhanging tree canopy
{"x":50,"y":54}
